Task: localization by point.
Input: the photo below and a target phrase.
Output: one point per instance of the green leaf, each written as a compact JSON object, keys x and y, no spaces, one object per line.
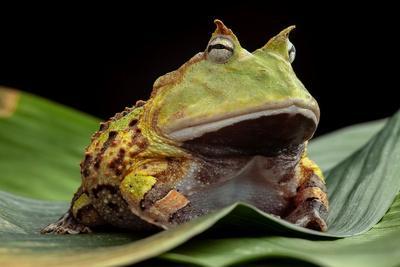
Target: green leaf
{"x":378,"y":247}
{"x":21,"y":243}
{"x":329,"y":149}
{"x":41,"y":145}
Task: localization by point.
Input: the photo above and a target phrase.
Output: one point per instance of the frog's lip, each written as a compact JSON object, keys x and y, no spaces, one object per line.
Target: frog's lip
{"x":196,"y":131}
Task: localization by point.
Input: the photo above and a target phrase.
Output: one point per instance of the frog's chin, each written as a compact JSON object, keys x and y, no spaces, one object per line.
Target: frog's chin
{"x":256,"y":132}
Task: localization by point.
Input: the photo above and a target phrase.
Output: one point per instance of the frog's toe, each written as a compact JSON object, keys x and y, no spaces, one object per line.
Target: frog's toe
{"x":310,"y":214}
{"x":67,"y":224}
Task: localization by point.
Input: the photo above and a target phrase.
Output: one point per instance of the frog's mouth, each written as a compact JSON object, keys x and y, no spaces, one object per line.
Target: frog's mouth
{"x":262,"y":132}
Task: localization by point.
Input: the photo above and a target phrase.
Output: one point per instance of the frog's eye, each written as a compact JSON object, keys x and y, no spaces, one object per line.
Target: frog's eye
{"x":220,"y":50}
{"x":291,"y":51}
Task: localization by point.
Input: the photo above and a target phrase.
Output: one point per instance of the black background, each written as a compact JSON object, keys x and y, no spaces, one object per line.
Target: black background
{"x":100,"y":59}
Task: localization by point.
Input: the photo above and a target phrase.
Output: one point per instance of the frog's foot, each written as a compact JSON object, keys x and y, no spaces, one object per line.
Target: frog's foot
{"x":310,"y":214}
{"x":67,"y":224}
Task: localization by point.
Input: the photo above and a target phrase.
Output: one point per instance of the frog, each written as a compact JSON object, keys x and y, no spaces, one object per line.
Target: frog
{"x":227,"y":126}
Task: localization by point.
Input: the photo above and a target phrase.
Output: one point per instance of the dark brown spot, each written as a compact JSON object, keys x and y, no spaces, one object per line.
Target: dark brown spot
{"x":107,"y":143}
{"x":99,"y":158}
{"x":104,"y":126}
{"x":133,"y":122}
{"x":85,"y":165}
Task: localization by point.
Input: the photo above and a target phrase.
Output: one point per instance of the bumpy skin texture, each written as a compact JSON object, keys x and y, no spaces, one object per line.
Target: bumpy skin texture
{"x":227,"y":126}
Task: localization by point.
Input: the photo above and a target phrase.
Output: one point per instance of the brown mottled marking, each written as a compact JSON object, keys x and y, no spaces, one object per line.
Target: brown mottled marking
{"x":107,"y":143}
{"x":85,"y":165}
{"x":139,"y":141}
{"x":117,"y":163}
{"x":114,"y":210}
{"x":8,"y":101}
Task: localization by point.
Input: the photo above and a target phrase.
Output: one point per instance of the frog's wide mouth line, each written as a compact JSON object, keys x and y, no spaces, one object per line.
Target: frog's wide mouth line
{"x":196,"y":131}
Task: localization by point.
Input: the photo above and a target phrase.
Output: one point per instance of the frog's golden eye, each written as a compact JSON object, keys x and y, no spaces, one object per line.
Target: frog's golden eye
{"x":220,"y":50}
{"x":291,"y":51}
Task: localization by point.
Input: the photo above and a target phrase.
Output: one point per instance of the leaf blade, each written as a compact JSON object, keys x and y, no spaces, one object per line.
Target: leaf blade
{"x":42,"y":142}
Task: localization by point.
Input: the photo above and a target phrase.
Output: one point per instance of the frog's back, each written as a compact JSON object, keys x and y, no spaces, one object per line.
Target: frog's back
{"x":107,"y":160}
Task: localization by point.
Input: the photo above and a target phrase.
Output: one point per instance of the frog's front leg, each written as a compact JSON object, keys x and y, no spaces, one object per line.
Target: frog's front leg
{"x":311,"y":202}
{"x":79,"y":217}
{"x":149,"y":190}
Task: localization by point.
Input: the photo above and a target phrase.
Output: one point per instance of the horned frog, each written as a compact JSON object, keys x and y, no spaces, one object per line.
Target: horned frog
{"x":227,"y":126}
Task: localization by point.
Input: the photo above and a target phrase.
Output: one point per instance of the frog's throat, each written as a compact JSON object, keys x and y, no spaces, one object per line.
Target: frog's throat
{"x":195,"y":131}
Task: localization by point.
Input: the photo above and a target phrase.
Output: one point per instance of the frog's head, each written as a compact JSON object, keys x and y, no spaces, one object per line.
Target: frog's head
{"x":227,"y":97}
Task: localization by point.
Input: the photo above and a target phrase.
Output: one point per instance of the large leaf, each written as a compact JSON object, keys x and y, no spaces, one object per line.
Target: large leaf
{"x":378,"y":247}
{"x":22,"y":244}
{"x":332,"y":148}
{"x":361,"y":188}
{"x":41,"y":145}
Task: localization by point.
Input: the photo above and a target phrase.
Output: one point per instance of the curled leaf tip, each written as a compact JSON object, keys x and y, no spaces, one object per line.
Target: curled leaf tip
{"x":8,"y":101}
